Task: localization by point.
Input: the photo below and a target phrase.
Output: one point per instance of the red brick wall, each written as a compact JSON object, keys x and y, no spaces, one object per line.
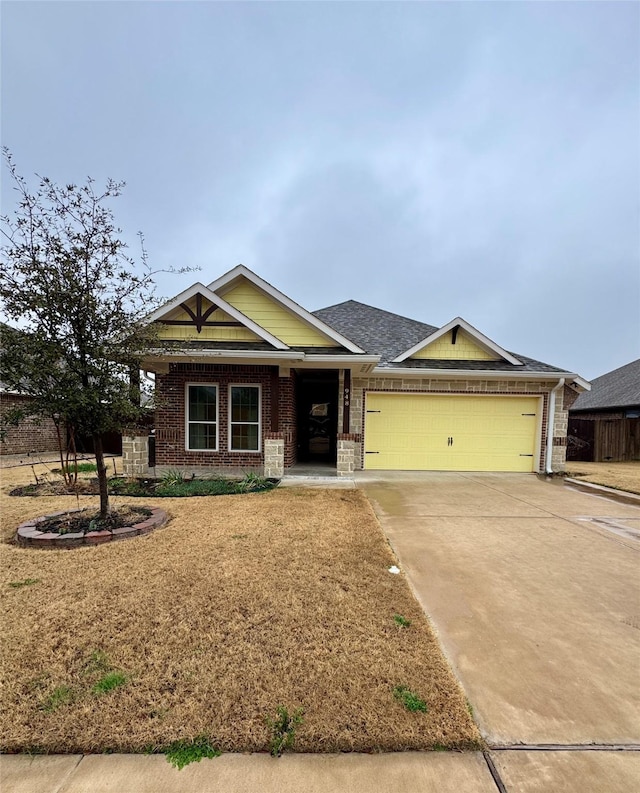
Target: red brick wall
{"x":31,"y":435}
{"x":170,"y":413}
{"x":288,"y":425}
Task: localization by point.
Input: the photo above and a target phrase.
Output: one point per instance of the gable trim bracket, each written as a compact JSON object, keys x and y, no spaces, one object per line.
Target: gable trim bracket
{"x":204,"y":291}
{"x":476,"y":335}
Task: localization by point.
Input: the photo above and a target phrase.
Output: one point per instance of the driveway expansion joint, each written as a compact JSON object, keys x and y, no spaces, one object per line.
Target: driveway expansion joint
{"x":68,"y":775}
{"x":494,"y":773}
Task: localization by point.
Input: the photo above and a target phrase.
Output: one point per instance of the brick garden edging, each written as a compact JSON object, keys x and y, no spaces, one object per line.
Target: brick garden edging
{"x":29,"y":536}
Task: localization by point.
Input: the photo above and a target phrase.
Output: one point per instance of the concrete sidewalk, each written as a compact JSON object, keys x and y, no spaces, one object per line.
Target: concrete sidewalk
{"x":409,"y":772}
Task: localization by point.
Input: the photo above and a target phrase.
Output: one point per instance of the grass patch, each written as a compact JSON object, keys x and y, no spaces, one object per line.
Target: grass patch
{"x":400,"y":621}
{"x":621,"y":476}
{"x":283,"y":729}
{"x":78,"y":468}
{"x":412,"y":702}
{"x":181,"y":753}
{"x":217,"y":632}
{"x":109,"y":682}
{"x":24,"y":582}
{"x":61,"y":695}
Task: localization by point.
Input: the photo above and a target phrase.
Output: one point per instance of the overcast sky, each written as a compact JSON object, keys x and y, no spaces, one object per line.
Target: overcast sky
{"x":432,"y":159}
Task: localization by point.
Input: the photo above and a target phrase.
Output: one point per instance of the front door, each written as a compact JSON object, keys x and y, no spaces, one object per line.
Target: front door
{"x":317,"y":416}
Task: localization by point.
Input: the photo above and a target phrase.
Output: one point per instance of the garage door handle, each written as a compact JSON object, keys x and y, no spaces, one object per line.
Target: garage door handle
{"x":372,"y":452}
{"x":374,"y":411}
{"x":449,"y":441}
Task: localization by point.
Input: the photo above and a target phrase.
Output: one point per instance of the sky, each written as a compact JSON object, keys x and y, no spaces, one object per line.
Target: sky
{"x":434,"y":159}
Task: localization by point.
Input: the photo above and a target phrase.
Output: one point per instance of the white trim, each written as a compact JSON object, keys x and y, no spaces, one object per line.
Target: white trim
{"x":286,"y":302}
{"x":585,"y":385}
{"x":551,"y":423}
{"x":309,"y":357}
{"x":205,"y":291}
{"x":275,"y":355}
{"x":472,"y":374}
{"x":230,"y":422}
{"x":187,"y":421}
{"x":484,"y":342}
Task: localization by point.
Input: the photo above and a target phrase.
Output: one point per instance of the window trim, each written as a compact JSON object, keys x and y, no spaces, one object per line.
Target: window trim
{"x":187,"y":386}
{"x":230,"y":423}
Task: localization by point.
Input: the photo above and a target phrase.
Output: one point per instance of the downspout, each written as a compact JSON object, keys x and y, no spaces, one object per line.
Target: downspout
{"x":550,"y":423}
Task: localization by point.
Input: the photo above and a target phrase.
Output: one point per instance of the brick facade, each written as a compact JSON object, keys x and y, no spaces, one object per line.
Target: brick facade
{"x":170,"y":415}
{"x":31,"y":435}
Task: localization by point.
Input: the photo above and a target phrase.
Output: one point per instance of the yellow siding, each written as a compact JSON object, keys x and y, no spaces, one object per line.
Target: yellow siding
{"x":190,"y":333}
{"x":272,"y":317}
{"x":465,"y":349}
{"x":411,"y":432}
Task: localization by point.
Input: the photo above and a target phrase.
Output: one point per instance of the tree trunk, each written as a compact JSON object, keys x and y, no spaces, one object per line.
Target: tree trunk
{"x":102,"y":476}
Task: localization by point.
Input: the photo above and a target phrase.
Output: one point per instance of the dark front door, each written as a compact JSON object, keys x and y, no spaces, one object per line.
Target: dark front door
{"x":317,"y":416}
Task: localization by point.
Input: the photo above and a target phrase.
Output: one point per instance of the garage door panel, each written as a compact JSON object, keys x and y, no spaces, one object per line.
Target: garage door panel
{"x":450,"y":433}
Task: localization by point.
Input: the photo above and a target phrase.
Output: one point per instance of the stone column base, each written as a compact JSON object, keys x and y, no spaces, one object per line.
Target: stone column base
{"x":135,"y":455}
{"x":273,"y":455}
{"x":346,"y":454}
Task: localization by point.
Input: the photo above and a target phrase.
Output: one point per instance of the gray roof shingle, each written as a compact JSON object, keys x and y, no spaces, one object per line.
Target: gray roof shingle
{"x":617,"y":389}
{"x":386,"y":334}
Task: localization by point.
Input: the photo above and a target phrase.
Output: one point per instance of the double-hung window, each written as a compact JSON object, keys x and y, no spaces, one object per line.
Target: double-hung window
{"x":202,"y":417}
{"x":244,"y":418}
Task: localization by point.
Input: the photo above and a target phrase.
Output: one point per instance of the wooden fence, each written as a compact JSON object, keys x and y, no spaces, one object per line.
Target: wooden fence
{"x":603,"y":439}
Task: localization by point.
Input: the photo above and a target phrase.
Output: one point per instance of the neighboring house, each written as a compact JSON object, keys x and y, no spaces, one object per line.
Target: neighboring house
{"x":605,"y":423}
{"x":251,"y":380}
{"x":32,"y":435}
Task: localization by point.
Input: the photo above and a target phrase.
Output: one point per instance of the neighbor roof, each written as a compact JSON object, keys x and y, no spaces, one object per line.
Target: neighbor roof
{"x":617,"y":389}
{"x":389,"y":335}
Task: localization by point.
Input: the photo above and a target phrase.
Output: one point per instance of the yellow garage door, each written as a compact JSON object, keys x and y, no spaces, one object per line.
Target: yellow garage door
{"x":426,"y":432}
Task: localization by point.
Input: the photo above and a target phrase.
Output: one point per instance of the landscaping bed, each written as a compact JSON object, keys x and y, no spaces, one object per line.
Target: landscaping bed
{"x":170,"y":486}
{"x":71,"y":529}
{"x":208,"y":630}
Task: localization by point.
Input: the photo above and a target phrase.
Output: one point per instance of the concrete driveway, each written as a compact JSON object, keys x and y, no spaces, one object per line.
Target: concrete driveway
{"x":534,"y":589}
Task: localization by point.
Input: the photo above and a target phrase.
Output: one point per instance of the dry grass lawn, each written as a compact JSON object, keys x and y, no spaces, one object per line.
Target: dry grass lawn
{"x":623,"y":476}
{"x":240,"y":605}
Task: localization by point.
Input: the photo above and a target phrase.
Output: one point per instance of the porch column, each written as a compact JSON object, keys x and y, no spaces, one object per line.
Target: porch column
{"x":135,"y":453}
{"x":346,"y":454}
{"x":273,"y":455}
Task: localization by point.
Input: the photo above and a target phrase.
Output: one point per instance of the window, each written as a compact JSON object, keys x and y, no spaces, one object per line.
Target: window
{"x":244,"y":418}
{"x":202,"y":417}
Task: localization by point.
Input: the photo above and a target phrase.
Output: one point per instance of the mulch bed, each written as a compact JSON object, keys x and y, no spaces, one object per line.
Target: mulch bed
{"x":144,"y":487}
{"x":85,"y":520}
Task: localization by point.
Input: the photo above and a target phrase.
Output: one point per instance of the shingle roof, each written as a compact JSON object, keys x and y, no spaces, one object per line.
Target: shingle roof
{"x":389,"y":335}
{"x":376,"y":331}
{"x":616,"y":389}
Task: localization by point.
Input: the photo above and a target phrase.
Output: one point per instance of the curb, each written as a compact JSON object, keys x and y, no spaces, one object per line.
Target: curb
{"x":610,"y":492}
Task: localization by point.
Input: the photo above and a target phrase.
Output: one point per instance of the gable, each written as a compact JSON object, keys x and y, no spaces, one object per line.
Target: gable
{"x":194,"y":310}
{"x":198,"y":319}
{"x":474,"y":346}
{"x":266,"y":312}
{"x":455,"y":345}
